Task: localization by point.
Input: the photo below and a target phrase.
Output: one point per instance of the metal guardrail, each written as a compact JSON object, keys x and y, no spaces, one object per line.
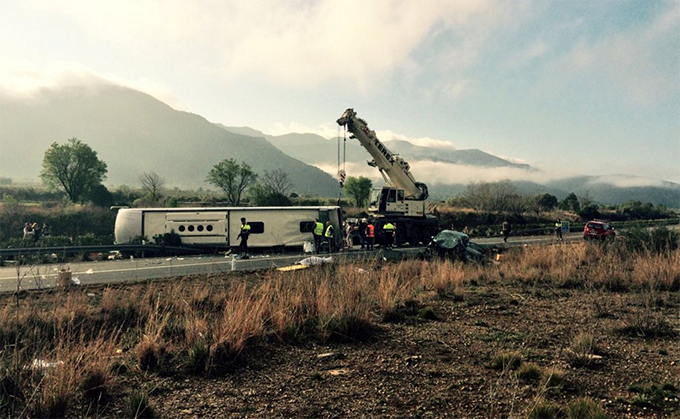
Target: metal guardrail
{"x":71,"y":250}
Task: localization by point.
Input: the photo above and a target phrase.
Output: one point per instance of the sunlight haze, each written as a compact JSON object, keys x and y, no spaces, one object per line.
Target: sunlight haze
{"x":568,"y":87}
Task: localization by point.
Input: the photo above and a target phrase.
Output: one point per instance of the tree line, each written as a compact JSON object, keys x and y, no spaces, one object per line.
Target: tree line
{"x":504,"y":198}
{"x":75,"y":170}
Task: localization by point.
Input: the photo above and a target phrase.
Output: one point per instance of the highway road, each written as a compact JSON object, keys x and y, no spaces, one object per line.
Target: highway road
{"x":33,"y":277}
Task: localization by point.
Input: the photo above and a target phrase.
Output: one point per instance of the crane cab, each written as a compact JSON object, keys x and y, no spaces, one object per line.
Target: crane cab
{"x":391,"y":200}
{"x":387,"y":200}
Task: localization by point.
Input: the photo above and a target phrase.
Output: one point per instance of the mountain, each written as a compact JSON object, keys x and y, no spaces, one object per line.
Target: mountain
{"x":314,"y":149}
{"x":134,"y":133}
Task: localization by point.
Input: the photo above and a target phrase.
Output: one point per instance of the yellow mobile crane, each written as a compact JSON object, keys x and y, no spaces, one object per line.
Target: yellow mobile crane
{"x":402,"y":201}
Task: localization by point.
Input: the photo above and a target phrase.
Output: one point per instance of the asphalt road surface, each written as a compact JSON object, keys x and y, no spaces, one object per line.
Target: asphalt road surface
{"x":32,"y":277}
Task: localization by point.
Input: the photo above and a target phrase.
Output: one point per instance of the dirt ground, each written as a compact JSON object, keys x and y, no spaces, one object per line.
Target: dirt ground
{"x":436,"y":362}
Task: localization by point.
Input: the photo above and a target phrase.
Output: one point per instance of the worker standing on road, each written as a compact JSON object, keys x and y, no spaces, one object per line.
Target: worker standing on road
{"x":505,"y":228}
{"x":349,"y":227}
{"x":318,"y":234}
{"x":329,"y":233}
{"x":370,"y":235}
{"x":362,"y":232}
{"x":388,"y":229}
{"x":243,"y":235}
{"x":558,"y":229}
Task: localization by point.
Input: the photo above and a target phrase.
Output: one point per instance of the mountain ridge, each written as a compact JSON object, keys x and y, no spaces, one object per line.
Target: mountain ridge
{"x":135,"y":133}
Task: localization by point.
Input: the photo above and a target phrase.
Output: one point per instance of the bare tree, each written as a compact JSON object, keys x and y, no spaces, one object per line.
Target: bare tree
{"x":277,"y":182}
{"x":152,"y":183}
{"x":496,"y":197}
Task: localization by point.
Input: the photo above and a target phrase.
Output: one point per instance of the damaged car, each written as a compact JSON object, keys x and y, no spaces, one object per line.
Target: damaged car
{"x":454,"y":245}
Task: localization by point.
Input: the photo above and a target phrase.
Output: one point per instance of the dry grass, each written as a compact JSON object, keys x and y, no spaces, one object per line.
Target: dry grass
{"x":242,"y":319}
{"x":211,"y":324}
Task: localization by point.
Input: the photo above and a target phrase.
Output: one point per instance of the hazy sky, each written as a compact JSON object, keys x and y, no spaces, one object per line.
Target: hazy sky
{"x":587,"y":87}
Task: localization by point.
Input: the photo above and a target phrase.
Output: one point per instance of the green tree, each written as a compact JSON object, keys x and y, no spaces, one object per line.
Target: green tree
{"x":358,"y":189}
{"x":233,"y":178}
{"x":73,"y":168}
{"x":100,"y":196}
{"x":570,"y":203}
{"x":263,"y":196}
{"x":543,"y":202}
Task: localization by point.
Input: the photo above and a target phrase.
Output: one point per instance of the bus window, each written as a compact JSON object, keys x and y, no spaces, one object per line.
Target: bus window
{"x":256,"y":227}
{"x":307,"y":226}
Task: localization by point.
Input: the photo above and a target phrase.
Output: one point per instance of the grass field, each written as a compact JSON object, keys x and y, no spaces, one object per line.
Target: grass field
{"x":572,"y":330}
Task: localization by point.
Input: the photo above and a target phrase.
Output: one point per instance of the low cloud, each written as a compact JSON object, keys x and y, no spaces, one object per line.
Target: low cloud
{"x":24,"y":79}
{"x":438,"y":173}
{"x":388,"y":135}
{"x":330,"y":131}
{"x":623,"y":181}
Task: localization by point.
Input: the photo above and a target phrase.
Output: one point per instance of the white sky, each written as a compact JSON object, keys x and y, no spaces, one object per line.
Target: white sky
{"x":581,"y":86}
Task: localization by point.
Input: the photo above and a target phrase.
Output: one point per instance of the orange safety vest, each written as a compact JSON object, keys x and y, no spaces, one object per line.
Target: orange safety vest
{"x":370,"y":230}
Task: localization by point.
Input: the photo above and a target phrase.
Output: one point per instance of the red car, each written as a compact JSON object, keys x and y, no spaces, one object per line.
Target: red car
{"x":598,"y":230}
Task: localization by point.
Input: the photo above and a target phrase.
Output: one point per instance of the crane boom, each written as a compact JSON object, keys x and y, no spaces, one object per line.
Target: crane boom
{"x":402,"y":201}
{"x":391,"y":166}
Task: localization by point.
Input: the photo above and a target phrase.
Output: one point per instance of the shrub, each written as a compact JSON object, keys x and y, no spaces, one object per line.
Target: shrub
{"x":545,"y":410}
{"x":506,"y":360}
{"x":168,"y":239}
{"x":657,"y":240}
{"x":585,"y":408}
{"x":95,"y":385}
{"x":553,"y":379}
{"x":583,"y":350}
{"x":529,"y":372}
{"x":150,"y":354}
{"x":138,"y":406}
{"x":653,"y":396}
{"x":199,"y":357}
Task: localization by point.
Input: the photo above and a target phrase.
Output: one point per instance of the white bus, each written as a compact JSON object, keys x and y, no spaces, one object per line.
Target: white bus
{"x":218,"y":227}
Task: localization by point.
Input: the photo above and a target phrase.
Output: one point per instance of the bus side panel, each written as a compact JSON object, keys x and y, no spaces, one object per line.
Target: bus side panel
{"x":128,"y":225}
{"x":153,"y":224}
{"x":198,"y":227}
{"x":281,"y":227}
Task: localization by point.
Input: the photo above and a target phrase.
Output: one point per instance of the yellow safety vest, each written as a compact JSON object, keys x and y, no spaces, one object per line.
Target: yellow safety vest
{"x":245,"y":231}
{"x":329,"y":231}
{"x":388,"y":227}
